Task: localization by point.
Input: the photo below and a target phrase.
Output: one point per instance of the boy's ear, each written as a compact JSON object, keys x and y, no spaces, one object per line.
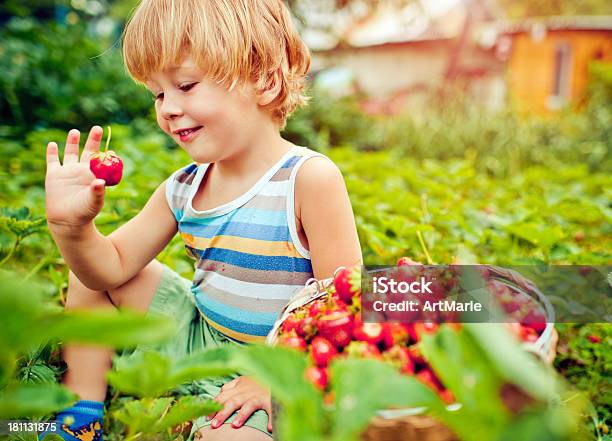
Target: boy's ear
{"x":271,"y":90}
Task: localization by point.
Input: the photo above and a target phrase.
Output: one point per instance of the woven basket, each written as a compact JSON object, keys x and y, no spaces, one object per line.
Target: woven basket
{"x":412,"y":424}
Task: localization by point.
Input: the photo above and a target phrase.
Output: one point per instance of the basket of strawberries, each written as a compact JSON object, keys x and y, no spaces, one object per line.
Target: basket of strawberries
{"x":325,"y":321}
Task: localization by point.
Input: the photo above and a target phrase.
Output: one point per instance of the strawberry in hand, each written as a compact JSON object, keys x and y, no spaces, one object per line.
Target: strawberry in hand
{"x":74,"y":196}
{"x":107,"y":165}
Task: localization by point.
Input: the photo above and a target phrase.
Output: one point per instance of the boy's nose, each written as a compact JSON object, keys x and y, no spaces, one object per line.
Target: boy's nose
{"x":170,"y":109}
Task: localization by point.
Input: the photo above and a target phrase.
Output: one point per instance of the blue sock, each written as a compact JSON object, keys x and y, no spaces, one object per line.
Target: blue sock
{"x":81,"y":422}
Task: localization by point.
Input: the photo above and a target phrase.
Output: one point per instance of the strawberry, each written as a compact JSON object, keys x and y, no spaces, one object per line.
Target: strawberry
{"x":293,"y":341}
{"x":362,"y":349}
{"x":347,"y":282}
{"x":447,"y":396}
{"x":417,"y":356}
{"x":317,"y":376}
{"x":322,"y":351}
{"x":428,"y":377}
{"x":306,"y":327}
{"x":290,"y":324}
{"x":535,"y":320}
{"x":107,"y":165}
{"x":399,"y":356}
{"x":528,"y":334}
{"x":316,"y":308}
{"x":369,"y":332}
{"x":594,"y":338}
{"x":394,"y":333}
{"x":437,"y":289}
{"x":337,"y":327}
{"x":407,"y":261}
{"x":423,"y":328}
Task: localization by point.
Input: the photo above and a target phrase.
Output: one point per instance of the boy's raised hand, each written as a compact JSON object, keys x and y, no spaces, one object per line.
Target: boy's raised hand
{"x":73,"y":194}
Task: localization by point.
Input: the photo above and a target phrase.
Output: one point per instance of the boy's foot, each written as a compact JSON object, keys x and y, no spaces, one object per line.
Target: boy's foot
{"x":81,"y":422}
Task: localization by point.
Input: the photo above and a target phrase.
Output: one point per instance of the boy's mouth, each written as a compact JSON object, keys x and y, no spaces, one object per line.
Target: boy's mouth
{"x":188,"y":134}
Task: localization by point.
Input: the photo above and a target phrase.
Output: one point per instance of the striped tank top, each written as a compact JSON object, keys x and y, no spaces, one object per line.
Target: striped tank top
{"x":249,"y":260}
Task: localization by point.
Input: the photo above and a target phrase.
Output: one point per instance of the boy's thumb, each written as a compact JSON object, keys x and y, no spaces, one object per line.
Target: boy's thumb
{"x":97,"y":188}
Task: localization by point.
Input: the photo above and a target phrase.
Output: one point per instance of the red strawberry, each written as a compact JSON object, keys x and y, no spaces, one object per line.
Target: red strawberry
{"x":347,"y":282}
{"x":316,"y":308}
{"x":293,"y":341}
{"x":317,"y":376}
{"x":437,"y":289}
{"x":322,"y":351}
{"x":107,"y":165}
{"x":535,"y":320}
{"x":429,"y":378}
{"x":290,"y":324}
{"x":369,"y":332}
{"x":306,"y":327}
{"x":416,"y":355}
{"x":407,"y":261}
{"x":423,"y":328}
{"x":394,"y":333}
{"x":362,"y":349}
{"x":399,"y":356}
{"x":337,"y":327}
{"x":528,"y":334}
{"x":447,"y":396}
{"x":594,"y":338}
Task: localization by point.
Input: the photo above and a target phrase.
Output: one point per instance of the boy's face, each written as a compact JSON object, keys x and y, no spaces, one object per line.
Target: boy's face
{"x":223,"y":121}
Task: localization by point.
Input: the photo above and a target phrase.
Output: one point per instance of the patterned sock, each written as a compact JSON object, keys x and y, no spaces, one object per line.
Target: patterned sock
{"x":81,"y":422}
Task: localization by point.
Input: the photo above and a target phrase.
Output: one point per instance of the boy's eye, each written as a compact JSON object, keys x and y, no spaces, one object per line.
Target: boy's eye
{"x":159,"y":96}
{"x":187,"y":87}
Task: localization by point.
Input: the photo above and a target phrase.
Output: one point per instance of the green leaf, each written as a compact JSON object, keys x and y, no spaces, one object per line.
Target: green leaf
{"x":186,"y":409}
{"x":538,"y":233}
{"x":142,"y":415}
{"x":119,"y":329}
{"x":37,"y":373}
{"x":29,"y":400}
{"x":151,"y":374}
{"x":511,"y":362}
{"x":475,"y":384}
{"x":363,"y":387}
{"x":19,"y":222}
{"x":282,"y":370}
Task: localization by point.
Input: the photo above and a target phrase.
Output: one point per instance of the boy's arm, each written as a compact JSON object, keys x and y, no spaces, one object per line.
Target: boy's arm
{"x":105,"y":262}
{"x":327,"y":218}
{"x":74,"y":197}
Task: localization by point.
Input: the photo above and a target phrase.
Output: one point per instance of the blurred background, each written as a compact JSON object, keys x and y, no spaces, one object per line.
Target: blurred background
{"x":467,"y":131}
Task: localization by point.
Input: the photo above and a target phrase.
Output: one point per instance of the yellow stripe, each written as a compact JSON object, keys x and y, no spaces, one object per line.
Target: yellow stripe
{"x":247,"y":338}
{"x":243,"y":245}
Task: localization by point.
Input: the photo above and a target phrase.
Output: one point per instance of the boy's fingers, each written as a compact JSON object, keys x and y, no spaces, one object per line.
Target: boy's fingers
{"x":97,"y":189}
{"x":71,"y":152}
{"x":52,"y":158}
{"x":228,"y":409}
{"x":92,"y":144}
{"x":244,"y":414}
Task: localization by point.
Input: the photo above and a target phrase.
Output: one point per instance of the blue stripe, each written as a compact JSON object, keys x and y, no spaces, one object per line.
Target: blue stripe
{"x":291,"y":161}
{"x":190,"y":169}
{"x":247,"y":215}
{"x":238,"y":229}
{"x":254,"y":261}
{"x":178,"y":214}
{"x":236,"y":314}
{"x":244,"y":328}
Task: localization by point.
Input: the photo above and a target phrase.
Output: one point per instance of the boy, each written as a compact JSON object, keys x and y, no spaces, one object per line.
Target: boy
{"x":259,"y":215}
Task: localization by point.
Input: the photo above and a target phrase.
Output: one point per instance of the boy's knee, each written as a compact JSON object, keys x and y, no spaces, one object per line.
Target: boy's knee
{"x":138,"y":292}
{"x":79,"y":296}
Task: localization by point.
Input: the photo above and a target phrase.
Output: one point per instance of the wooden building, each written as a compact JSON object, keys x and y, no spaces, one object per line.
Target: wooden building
{"x":397,"y":63}
{"x":548,"y":65}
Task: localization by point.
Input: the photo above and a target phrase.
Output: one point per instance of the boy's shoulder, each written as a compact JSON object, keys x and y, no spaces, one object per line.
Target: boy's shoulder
{"x":317,"y":172}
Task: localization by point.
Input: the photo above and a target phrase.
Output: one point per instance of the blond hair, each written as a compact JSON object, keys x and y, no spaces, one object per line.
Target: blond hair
{"x":232,"y":41}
